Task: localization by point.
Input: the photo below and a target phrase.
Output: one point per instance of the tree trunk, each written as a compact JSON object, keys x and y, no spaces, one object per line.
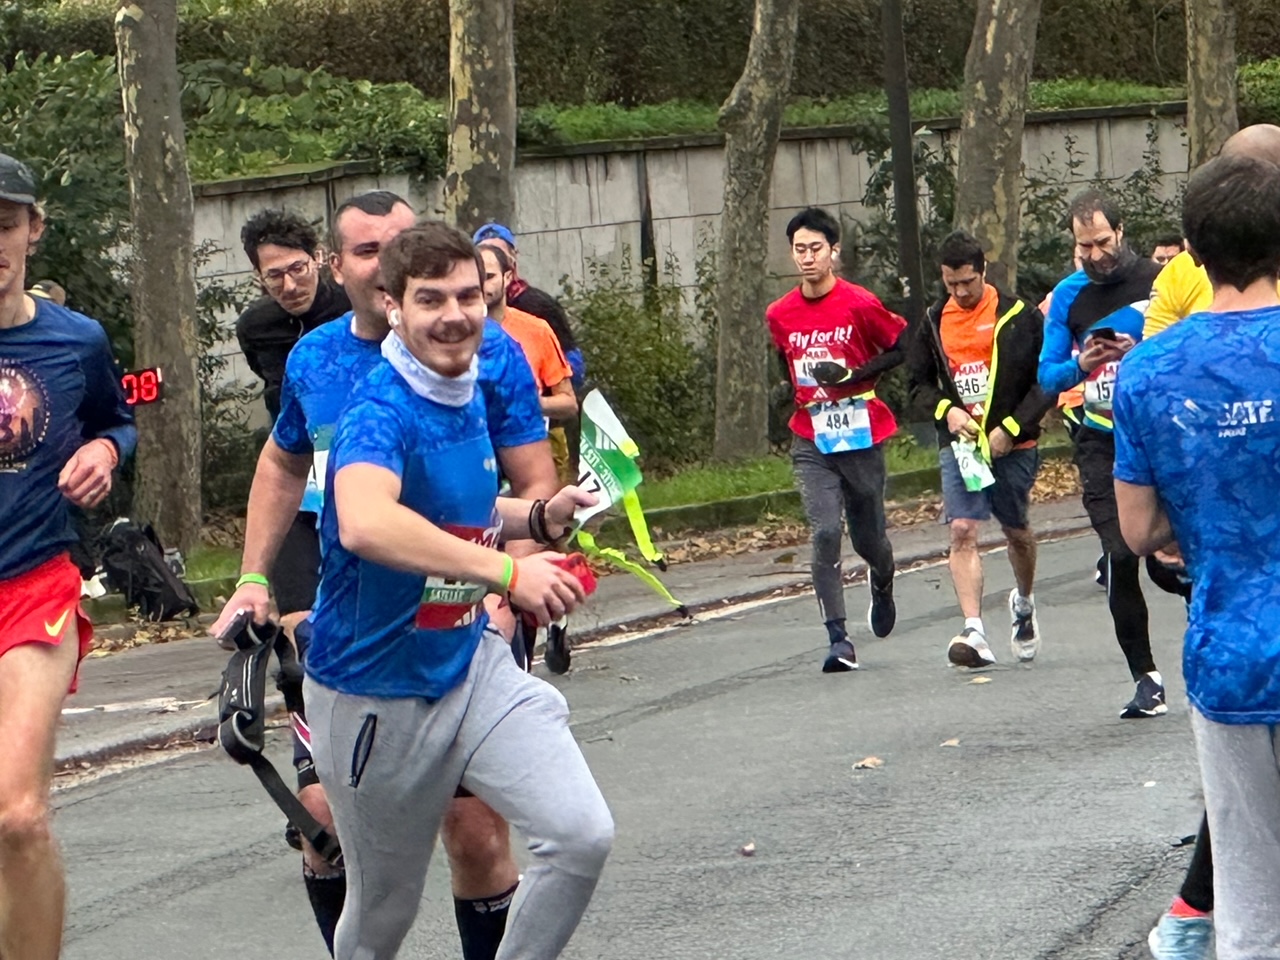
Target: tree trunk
{"x":1211,"y":77}
{"x":751,"y":119}
{"x":997,"y":71}
{"x":482,"y":114}
{"x":906,"y":207}
{"x":168,"y":490}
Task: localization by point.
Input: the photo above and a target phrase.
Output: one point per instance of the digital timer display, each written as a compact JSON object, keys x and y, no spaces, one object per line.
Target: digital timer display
{"x":143,"y":386}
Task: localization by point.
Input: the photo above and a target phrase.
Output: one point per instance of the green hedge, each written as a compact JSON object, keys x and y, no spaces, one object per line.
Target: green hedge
{"x":643,"y":51}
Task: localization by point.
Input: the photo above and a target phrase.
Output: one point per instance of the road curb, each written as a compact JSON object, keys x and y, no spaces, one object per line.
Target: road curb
{"x":201,"y":724}
{"x":784,"y":585}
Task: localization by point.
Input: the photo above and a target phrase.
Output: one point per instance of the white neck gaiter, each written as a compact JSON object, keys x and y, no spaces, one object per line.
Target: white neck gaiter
{"x":425,"y":382}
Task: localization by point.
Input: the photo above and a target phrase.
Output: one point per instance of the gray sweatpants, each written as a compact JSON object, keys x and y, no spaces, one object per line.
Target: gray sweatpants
{"x":1240,"y":766}
{"x":848,"y":485}
{"x":390,"y":768}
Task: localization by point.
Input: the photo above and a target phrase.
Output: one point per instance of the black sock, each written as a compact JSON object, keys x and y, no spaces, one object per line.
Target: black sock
{"x":481,"y":924}
{"x":836,"y":631}
{"x":326,"y":895}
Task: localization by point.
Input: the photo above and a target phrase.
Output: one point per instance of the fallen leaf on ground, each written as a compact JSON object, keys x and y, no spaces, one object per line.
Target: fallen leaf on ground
{"x":950,"y":743}
{"x":1056,"y":479}
{"x":980,"y":680}
{"x":748,"y":849}
{"x":868,"y":763}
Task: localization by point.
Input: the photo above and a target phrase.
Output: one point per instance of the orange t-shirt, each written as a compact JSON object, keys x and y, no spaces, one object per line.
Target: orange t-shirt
{"x":968,"y":340}
{"x":540,"y":346}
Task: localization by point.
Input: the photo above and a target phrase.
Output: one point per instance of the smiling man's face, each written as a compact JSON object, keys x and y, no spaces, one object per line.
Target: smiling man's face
{"x":355,"y":263}
{"x":442,"y":319}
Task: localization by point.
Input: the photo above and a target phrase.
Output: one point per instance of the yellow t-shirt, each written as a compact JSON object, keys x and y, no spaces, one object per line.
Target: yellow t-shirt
{"x":1181,"y":289}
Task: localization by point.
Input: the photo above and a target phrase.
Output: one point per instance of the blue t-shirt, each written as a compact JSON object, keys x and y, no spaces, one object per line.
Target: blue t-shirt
{"x":381,"y":632}
{"x":59,"y":388}
{"x":1198,"y":418}
{"x":326,"y":365}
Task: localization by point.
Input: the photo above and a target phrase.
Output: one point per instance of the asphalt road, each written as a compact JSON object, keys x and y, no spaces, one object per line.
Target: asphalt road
{"x":1044,"y":834}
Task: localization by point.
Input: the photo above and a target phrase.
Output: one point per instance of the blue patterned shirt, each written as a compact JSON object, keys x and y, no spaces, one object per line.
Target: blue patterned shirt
{"x":1198,"y":417}
{"x":380,"y":632}
{"x":326,"y":365}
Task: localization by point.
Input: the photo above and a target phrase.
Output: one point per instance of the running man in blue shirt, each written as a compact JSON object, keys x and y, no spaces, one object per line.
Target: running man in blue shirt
{"x":412,"y":693}
{"x":64,"y":427}
{"x":1197,"y":449}
{"x":320,"y":378}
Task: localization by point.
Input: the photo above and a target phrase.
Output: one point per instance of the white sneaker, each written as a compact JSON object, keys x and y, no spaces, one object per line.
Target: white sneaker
{"x":1025,"y":639}
{"x":969,"y":649}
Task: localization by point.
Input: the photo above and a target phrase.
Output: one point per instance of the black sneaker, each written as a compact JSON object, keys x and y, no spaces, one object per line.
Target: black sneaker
{"x":558,"y":654}
{"x":841,"y":658}
{"x":1148,"y":700}
{"x":883,"y":613}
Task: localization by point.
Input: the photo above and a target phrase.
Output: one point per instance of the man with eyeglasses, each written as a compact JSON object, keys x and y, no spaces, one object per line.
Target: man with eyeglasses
{"x":282,"y":248}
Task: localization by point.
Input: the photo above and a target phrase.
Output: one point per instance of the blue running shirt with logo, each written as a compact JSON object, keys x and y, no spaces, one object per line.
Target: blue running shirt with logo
{"x":381,"y":632}
{"x":326,"y":365}
{"x":1198,"y":417}
{"x":59,"y":388}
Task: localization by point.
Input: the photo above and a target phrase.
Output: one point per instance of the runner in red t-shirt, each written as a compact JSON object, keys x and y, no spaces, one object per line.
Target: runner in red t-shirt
{"x":835,"y":339}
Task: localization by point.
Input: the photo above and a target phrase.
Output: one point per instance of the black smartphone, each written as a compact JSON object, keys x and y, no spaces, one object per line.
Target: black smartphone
{"x":227,"y":639}
{"x":1102,"y":333}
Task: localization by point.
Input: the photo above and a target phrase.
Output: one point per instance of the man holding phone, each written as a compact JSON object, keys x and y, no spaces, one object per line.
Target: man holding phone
{"x":1090,"y":327}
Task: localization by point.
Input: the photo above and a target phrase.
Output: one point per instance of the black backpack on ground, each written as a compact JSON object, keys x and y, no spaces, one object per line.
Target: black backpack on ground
{"x":135,"y":566}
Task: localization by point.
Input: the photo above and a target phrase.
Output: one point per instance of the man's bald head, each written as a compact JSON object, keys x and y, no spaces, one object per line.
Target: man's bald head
{"x":1260,"y":142}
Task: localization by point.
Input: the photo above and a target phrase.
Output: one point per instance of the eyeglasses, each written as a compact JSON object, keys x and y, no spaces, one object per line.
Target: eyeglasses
{"x":274,"y":279}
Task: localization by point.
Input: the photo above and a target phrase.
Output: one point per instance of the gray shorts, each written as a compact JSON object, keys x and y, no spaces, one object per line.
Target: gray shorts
{"x":390,"y":767}
{"x":1008,"y":499}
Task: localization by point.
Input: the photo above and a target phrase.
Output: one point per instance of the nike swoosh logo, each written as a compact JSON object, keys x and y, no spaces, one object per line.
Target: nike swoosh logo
{"x":55,"y":629}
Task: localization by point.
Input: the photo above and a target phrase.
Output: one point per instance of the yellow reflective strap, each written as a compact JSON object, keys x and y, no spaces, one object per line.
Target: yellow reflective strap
{"x":941,"y":410}
{"x":1011,"y":425}
{"x":620,"y":560}
{"x":639,"y":528}
{"x":1103,"y":421}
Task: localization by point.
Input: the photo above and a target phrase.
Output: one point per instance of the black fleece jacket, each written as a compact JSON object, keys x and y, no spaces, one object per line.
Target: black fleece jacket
{"x":1014,"y":398}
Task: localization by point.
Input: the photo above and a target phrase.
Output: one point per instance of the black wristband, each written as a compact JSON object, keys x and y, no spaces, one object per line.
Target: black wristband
{"x":538,"y":522}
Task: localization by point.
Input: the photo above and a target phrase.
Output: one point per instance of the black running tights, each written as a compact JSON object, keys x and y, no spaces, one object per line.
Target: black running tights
{"x":1129,"y":612}
{"x":1197,"y":888}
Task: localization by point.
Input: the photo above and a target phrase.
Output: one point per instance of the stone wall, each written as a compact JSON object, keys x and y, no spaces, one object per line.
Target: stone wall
{"x":591,"y":202}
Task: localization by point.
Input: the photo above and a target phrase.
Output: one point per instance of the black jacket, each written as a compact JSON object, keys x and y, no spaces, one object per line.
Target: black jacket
{"x":1014,"y":398}
{"x":267,"y":332}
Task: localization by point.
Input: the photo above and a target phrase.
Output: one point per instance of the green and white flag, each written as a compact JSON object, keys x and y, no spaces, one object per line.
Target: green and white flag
{"x":608,"y":469}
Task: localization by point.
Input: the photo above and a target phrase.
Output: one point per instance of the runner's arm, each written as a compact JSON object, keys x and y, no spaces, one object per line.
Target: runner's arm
{"x":274,"y":498}
{"x":561,"y":403}
{"x":1144,"y":524}
{"x":1143,"y":521}
{"x":883,"y":362}
{"x":278,"y":484}
{"x":374,"y":525}
{"x":1036,"y":403}
{"x":1059,"y":371}
{"x":922,"y":373}
{"x":103,"y":411}
{"x":531,"y":470}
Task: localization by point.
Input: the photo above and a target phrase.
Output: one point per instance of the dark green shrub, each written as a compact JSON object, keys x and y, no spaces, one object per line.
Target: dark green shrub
{"x":643,"y":51}
{"x":656,"y":372}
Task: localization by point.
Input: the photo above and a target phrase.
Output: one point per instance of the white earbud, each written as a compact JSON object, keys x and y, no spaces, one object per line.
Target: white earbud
{"x":394,"y":318}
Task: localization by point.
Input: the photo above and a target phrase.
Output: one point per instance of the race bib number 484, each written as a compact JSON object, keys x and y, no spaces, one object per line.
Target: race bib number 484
{"x":841,"y":425}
